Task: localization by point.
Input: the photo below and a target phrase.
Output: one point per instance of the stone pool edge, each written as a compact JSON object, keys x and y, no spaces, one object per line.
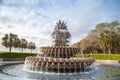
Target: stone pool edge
{"x":8,"y":61}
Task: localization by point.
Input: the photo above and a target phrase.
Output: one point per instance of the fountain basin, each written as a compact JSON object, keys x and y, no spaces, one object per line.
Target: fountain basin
{"x":95,"y":72}
{"x":58,"y":65}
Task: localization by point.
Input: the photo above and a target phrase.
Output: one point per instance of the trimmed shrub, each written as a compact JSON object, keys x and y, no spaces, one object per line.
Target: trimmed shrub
{"x":102,"y":56}
{"x":15,"y":55}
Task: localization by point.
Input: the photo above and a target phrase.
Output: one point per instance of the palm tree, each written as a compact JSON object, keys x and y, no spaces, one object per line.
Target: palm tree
{"x":8,"y":40}
{"x":31,"y":46}
{"x":23,"y":44}
{"x":17,"y":43}
{"x":5,"y":41}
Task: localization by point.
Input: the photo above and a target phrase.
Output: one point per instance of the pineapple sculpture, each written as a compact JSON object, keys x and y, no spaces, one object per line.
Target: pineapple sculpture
{"x":60,"y":35}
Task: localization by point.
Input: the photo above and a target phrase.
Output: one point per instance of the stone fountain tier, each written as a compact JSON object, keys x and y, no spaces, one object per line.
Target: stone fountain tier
{"x":60,"y":51}
{"x":47,"y":64}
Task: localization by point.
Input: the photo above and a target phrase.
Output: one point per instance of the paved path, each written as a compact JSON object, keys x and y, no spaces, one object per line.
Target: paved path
{"x":10,"y":62}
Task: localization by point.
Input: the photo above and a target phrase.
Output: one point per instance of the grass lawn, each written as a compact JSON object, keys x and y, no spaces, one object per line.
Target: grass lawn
{"x":102,"y":56}
{"x":15,"y":55}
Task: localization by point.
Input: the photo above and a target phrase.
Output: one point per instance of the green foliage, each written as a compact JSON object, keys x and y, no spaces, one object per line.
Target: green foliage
{"x":105,"y":38}
{"x":15,"y":55}
{"x":23,"y":44}
{"x":12,"y":40}
{"x":31,"y":46}
{"x":9,"y":40}
{"x":102,"y":56}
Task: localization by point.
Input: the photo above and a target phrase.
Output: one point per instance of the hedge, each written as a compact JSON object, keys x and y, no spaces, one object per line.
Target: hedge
{"x":102,"y":56}
{"x":96,"y":56}
{"x":15,"y":55}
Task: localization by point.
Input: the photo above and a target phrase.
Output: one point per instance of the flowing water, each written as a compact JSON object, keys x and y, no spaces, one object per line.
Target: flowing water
{"x":16,"y":72}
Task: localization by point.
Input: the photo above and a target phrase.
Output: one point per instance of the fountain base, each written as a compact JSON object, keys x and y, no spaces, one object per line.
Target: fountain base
{"x":58,"y":65}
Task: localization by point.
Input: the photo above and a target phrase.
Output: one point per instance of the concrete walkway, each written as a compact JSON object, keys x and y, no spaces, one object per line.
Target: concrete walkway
{"x":112,"y":63}
{"x":10,"y":62}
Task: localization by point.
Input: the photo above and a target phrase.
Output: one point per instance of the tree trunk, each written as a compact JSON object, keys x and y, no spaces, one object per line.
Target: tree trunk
{"x":103,"y":50}
{"x":116,"y":51}
{"x":22,"y":50}
{"x":19,"y":50}
{"x":109,"y":51}
{"x":31,"y":50}
{"x":10,"y":49}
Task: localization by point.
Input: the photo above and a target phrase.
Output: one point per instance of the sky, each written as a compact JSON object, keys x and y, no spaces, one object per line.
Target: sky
{"x":35,"y":20}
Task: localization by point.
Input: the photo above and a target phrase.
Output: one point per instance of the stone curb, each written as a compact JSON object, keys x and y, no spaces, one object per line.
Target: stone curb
{"x":11,"y":62}
{"x":12,"y":59}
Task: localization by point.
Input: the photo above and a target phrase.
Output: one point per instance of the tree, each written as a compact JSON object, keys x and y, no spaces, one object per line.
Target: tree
{"x":76,"y":45}
{"x":104,"y":38}
{"x":23,"y":44}
{"x":109,"y":39}
{"x":89,"y":45}
{"x":17,"y":43}
{"x":31,"y":46}
{"x":8,"y":40}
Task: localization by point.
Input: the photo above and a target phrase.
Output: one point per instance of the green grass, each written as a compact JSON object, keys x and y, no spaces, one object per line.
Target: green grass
{"x":102,"y":56}
{"x":15,"y":55}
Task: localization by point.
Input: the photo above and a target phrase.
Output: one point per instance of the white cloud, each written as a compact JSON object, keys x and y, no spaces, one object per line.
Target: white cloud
{"x":35,"y":19}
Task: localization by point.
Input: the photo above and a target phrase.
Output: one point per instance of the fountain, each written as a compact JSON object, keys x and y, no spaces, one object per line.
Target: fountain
{"x":59,"y":57}
{"x":57,"y":63}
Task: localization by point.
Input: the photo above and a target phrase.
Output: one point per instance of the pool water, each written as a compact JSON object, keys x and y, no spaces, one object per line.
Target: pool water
{"x":16,"y":72}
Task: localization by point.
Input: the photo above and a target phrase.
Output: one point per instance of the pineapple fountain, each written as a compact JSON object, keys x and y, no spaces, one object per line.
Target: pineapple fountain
{"x":59,"y":57}
{"x":57,"y":62}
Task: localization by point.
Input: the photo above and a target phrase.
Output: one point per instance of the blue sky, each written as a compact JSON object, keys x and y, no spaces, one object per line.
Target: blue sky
{"x":35,"y":19}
